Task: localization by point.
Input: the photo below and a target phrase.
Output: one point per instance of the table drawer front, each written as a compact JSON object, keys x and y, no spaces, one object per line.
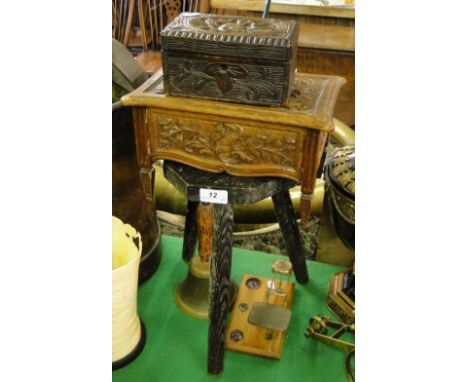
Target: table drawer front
{"x":239,"y":149}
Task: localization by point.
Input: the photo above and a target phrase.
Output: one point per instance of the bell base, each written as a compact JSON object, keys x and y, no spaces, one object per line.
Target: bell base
{"x":192,"y":293}
{"x":134,"y":353}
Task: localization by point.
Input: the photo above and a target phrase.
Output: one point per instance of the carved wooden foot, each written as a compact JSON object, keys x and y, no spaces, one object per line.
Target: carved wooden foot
{"x":219,"y":286}
{"x":287,"y":221}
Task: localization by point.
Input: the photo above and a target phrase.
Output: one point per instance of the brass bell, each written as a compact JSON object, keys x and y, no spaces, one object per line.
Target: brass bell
{"x":192,"y":293}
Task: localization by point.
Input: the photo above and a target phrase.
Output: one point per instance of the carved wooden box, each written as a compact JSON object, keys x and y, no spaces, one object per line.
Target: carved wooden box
{"x":230,"y":58}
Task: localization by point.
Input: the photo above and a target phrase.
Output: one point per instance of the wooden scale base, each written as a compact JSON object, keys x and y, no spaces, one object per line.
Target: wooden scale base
{"x":247,"y":338}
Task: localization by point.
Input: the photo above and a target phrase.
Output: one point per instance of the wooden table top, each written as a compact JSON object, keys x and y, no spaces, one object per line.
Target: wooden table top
{"x":310,"y":106}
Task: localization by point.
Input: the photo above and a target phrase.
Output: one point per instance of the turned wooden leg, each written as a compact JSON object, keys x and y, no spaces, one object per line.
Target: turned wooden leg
{"x":190,"y":231}
{"x":219,"y":285}
{"x":287,"y":221}
{"x":205,"y":228}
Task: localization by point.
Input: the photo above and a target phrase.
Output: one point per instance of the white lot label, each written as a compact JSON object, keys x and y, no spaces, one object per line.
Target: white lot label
{"x":213,"y":196}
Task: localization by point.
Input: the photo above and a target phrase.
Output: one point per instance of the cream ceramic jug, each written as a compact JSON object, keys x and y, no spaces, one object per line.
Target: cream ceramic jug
{"x":127,"y":330}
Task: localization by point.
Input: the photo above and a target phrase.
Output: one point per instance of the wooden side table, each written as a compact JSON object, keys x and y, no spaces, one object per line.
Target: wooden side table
{"x":242,"y":140}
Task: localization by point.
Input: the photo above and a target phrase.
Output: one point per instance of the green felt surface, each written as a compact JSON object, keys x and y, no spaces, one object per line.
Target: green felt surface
{"x":176,"y":346}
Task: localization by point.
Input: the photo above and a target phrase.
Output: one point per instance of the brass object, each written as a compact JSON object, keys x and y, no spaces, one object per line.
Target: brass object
{"x":343,"y":135}
{"x":340,"y":190}
{"x":339,"y":216}
{"x":192,"y":294}
{"x":330,"y":248}
{"x":318,"y":329}
{"x":336,"y":235}
{"x":340,"y":177}
{"x":282,"y":267}
{"x":340,"y":299}
{"x":349,"y":366}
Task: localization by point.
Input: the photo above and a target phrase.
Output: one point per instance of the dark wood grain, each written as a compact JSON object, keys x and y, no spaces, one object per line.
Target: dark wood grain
{"x":242,"y":190}
{"x":219,"y":286}
{"x":190,"y":231}
{"x":143,"y":158}
{"x":128,"y":199}
{"x":230,"y":58}
{"x":287,"y":221}
{"x":141,"y":137}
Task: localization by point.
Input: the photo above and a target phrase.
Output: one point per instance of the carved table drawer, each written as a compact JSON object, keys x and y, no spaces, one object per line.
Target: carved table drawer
{"x":231,"y":146}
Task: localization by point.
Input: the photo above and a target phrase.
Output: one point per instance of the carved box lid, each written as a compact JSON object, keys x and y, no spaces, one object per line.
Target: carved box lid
{"x":310,"y":106}
{"x":196,"y":32}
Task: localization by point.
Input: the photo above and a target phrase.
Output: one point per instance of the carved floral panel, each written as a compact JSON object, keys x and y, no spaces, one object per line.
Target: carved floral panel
{"x":230,"y":144}
{"x":246,"y":83}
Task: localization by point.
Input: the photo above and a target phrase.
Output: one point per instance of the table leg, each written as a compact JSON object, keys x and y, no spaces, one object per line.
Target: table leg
{"x":190,"y":231}
{"x":314,"y":146}
{"x":287,"y":221}
{"x":219,"y":285}
{"x":205,"y":229}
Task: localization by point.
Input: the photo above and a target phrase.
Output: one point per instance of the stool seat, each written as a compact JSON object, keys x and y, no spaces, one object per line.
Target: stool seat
{"x":241,"y":190}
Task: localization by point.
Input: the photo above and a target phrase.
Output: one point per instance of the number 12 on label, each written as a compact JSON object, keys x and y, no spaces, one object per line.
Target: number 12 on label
{"x":213,"y":196}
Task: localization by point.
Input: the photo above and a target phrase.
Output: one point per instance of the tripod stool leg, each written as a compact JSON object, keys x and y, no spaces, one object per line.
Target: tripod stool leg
{"x":219,"y":285}
{"x":190,"y":231}
{"x":287,"y":221}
